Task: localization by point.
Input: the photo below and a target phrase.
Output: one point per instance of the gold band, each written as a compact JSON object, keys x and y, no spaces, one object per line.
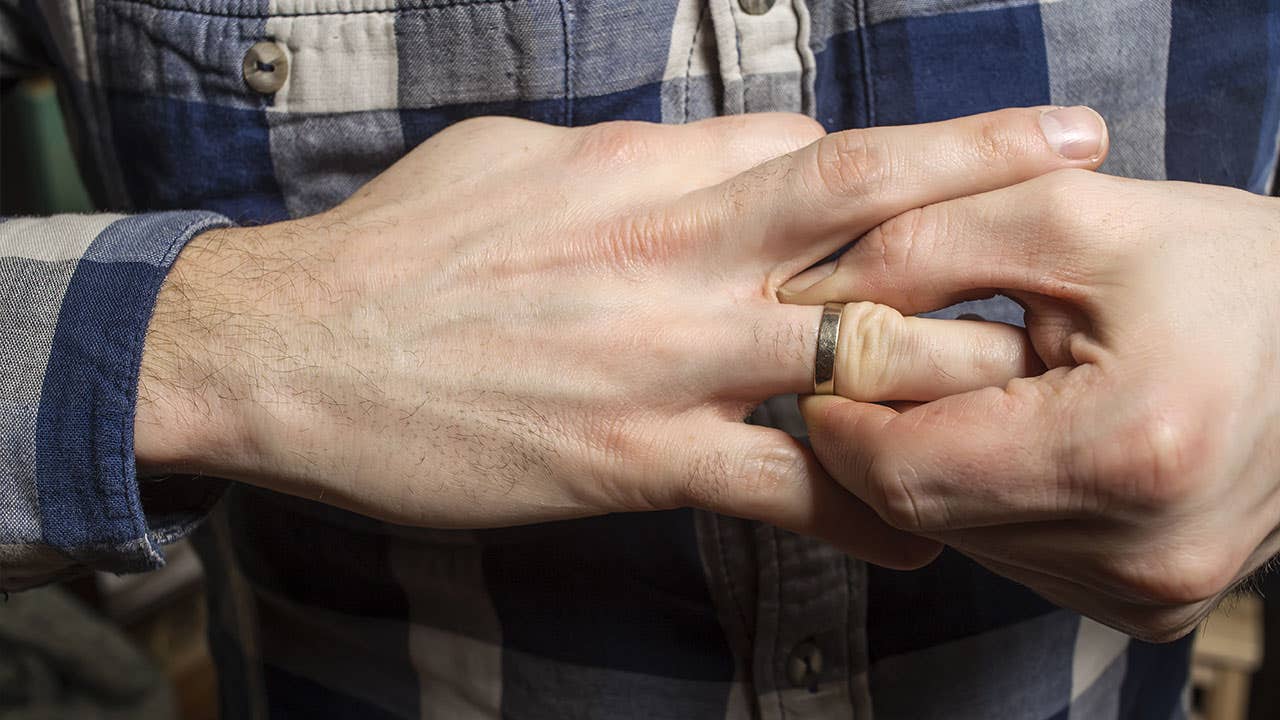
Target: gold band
{"x":824,"y":364}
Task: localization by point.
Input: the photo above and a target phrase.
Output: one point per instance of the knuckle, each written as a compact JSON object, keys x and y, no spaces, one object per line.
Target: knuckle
{"x":708,"y":482}
{"x":767,"y":472}
{"x":995,"y":143}
{"x":753,"y":484}
{"x":614,"y":144}
{"x":897,"y":240}
{"x":868,"y":348}
{"x":851,"y":165}
{"x":1158,"y":465}
{"x":896,"y":502}
{"x":880,"y":477}
{"x":743,"y":190}
{"x":613,"y":444}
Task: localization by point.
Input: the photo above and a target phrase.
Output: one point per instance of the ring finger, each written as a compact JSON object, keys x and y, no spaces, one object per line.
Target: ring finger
{"x":880,"y":355}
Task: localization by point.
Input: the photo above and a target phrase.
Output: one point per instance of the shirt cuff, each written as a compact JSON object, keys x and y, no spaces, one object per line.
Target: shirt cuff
{"x":90,"y":502}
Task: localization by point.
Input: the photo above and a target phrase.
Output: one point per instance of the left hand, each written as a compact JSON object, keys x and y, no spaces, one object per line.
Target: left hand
{"x":1138,"y":479}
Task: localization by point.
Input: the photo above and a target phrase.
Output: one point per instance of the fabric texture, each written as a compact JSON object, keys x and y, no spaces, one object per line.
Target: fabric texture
{"x":77,"y":293}
{"x":319,"y":613}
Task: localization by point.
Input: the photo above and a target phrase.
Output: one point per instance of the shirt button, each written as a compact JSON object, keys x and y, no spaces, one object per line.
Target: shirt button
{"x":755,"y":7}
{"x":266,"y":67}
{"x":804,"y":665}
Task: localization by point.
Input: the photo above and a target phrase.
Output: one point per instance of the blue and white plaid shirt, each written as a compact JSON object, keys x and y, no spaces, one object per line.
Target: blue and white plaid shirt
{"x":320,"y":613}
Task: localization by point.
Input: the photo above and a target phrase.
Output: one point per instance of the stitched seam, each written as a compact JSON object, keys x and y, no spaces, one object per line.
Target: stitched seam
{"x":737,"y":52}
{"x":409,"y":5}
{"x":865,"y":46}
{"x":100,"y":123}
{"x":688,"y":70}
{"x":132,"y":493}
{"x":728,"y":577}
{"x":801,"y":46}
{"x":566,"y":15}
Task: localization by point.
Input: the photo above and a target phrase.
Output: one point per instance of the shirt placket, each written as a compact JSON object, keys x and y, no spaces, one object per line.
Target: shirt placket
{"x":810,"y":646}
{"x":764,"y":60}
{"x":794,"y":609}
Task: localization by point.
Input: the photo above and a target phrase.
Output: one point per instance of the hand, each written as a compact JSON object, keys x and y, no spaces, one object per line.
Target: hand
{"x":1139,"y":478}
{"x":519,"y":322}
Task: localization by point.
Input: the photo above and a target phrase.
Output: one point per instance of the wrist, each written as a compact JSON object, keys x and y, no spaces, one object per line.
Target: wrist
{"x":197,"y":370}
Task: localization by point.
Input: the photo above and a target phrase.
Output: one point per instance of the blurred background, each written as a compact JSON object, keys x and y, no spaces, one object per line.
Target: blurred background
{"x":134,"y":647}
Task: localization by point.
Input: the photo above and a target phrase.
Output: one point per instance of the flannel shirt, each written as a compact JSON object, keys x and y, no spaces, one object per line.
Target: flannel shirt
{"x":315,"y":612}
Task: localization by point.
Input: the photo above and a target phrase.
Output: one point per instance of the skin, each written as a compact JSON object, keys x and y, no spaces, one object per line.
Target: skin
{"x":519,"y":323}
{"x":1138,"y":479}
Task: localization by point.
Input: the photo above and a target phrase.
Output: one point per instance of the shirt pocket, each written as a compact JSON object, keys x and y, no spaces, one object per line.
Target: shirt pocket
{"x":359,"y":83}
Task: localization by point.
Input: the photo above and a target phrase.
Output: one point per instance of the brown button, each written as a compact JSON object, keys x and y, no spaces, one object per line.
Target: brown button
{"x":755,"y":7}
{"x":266,"y":67}
{"x":804,"y":665}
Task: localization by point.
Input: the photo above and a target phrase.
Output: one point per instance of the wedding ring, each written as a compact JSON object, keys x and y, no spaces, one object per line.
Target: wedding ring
{"x":824,"y":364}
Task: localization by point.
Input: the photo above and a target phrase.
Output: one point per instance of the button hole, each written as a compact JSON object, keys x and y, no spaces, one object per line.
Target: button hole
{"x":265,"y":66}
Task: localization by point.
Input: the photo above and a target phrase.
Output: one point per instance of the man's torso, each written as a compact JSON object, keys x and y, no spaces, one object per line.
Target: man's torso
{"x":315,"y":612}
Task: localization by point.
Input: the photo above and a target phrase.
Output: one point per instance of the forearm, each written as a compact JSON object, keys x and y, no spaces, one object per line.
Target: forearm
{"x":192,"y":374}
{"x":221,"y":339}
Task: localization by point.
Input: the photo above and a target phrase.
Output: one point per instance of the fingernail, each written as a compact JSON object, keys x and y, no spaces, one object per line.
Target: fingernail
{"x":807,"y":279}
{"x":1075,"y":133}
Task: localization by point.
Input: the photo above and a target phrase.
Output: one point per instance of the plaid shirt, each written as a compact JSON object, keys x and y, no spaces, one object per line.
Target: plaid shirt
{"x":319,"y":613}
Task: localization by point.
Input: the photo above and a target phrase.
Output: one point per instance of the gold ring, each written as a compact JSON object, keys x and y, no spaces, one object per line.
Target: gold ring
{"x":824,"y":364}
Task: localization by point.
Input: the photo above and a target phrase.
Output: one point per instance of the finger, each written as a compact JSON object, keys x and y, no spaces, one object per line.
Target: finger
{"x":801,"y":207}
{"x":989,"y":457}
{"x":880,"y":355}
{"x":1024,"y":238}
{"x":806,"y":279}
{"x":765,"y":474}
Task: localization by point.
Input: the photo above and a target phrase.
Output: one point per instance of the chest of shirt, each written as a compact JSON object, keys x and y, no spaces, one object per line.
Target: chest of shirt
{"x":286,"y":106}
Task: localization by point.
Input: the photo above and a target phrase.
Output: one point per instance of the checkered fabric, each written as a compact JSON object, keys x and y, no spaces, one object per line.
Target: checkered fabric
{"x":319,"y":613}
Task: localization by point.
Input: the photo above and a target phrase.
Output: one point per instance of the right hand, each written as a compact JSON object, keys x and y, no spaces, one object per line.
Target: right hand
{"x":519,"y":322}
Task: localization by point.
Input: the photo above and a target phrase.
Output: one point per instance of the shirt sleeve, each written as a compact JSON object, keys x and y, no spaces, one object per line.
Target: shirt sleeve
{"x":76,"y":297}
